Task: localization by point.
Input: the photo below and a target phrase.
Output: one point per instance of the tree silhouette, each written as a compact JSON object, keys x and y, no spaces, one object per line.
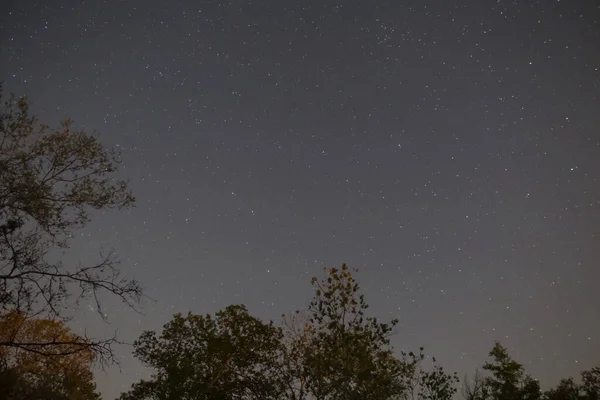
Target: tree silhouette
{"x":591,"y":383}
{"x":348,"y":354}
{"x":61,"y":372}
{"x":229,"y":356}
{"x":331,"y":351}
{"x":475,"y":388}
{"x":50,"y":179}
{"x":567,"y":389}
{"x":506,"y":374}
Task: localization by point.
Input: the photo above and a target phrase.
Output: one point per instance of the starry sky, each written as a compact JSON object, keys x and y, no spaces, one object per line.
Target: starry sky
{"x":449,"y":149}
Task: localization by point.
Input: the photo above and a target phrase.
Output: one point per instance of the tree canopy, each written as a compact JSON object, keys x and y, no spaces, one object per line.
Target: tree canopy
{"x":506,"y":379}
{"x":331,"y":351}
{"x":228,"y":356}
{"x":59,"y":371}
{"x":50,"y":180}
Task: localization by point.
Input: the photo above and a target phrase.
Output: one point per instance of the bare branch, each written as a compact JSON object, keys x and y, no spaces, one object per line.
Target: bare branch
{"x":50,"y":179}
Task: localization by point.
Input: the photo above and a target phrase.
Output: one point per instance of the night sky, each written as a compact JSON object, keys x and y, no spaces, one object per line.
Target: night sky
{"x":450,"y":150}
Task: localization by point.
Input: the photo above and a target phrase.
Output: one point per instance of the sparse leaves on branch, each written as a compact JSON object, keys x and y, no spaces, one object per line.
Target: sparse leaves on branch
{"x":475,"y":388}
{"x":591,"y":383}
{"x":349,"y":353}
{"x":58,"y":369}
{"x":331,"y":351}
{"x":50,"y":179}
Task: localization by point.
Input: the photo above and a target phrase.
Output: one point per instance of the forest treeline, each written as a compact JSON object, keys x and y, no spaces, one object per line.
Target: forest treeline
{"x":52,"y":180}
{"x":332,"y":350}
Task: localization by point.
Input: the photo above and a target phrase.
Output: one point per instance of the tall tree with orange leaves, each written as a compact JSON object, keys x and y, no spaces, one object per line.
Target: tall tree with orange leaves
{"x":61,"y":371}
{"x":50,"y":181}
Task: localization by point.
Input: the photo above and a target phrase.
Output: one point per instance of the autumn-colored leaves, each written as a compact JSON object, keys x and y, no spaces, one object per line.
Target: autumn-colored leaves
{"x":44,"y":356}
{"x":332,"y":350}
{"x":50,"y":180}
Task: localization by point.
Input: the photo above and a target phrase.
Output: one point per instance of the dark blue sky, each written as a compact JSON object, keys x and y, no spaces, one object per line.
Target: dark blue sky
{"x":450,"y":150}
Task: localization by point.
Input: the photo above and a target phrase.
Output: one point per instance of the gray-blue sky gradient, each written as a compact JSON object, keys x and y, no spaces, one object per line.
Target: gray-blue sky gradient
{"x":450,"y":150}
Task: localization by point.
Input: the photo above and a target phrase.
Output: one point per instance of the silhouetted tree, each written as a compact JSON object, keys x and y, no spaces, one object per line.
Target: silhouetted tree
{"x":49,"y":181}
{"x":506,"y":375}
{"x":567,"y":389}
{"x":62,"y":372}
{"x":434,"y":384}
{"x":591,"y":383}
{"x":229,"y":356}
{"x":344,"y":354}
{"x":530,"y":389}
{"x":508,"y":380}
{"x":474,"y":388}
{"x":333,"y":351}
